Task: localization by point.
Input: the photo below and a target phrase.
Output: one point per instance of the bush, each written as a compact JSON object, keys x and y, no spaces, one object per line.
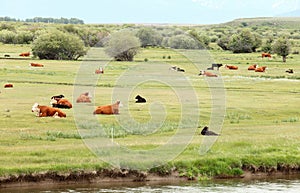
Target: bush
{"x":183,"y":42}
{"x":7,"y":37}
{"x":57,"y":45}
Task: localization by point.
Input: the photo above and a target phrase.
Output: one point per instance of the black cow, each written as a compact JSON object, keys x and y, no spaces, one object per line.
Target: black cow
{"x":291,"y":71}
{"x":214,"y":66}
{"x":205,"y":131}
{"x":140,"y":99}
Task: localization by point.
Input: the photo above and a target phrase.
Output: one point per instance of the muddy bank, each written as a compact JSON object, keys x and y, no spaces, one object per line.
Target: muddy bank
{"x":117,"y":175}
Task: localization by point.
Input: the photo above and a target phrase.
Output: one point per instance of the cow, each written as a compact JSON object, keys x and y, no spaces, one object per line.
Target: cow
{"x":173,"y":68}
{"x":261,"y":69}
{"x":6,"y":55}
{"x":61,"y":103}
{"x":291,"y":71}
{"x":108,"y":109}
{"x":205,"y":131}
{"x":140,"y":99}
{"x":213,"y":66}
{"x":57,"y":96}
{"x":180,"y":70}
{"x":84,"y":98}
{"x":252,"y":67}
{"x":99,"y":71}
{"x":209,"y":74}
{"x":266,"y":55}
{"x":231,"y":67}
{"x":25,"y":54}
{"x":45,"y":111}
{"x":8,"y":85}
{"x":36,"y":65}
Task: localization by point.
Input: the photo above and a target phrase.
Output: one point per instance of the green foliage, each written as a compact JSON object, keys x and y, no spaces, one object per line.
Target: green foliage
{"x":57,"y":45}
{"x":223,"y":42}
{"x":202,"y":39}
{"x":267,"y":46}
{"x":244,"y":42}
{"x":183,"y":41}
{"x":7,"y":37}
{"x":123,"y":46}
{"x":149,"y":37}
{"x":282,"y":47}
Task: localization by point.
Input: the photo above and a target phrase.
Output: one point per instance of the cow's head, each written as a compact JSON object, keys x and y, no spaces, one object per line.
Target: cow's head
{"x":35,"y":107}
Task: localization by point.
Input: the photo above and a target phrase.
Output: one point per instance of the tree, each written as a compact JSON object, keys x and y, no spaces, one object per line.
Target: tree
{"x":203,"y":39}
{"x":149,"y":37}
{"x":223,"y":42}
{"x":183,"y":41}
{"x":282,"y":47}
{"x":267,"y":46}
{"x":123,"y":46}
{"x":244,"y":42}
{"x":58,"y":45}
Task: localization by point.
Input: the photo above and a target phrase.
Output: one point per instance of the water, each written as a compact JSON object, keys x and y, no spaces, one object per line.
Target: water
{"x":227,"y":186}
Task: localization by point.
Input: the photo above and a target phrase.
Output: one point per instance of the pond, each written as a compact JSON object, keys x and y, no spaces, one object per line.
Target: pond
{"x":291,"y":185}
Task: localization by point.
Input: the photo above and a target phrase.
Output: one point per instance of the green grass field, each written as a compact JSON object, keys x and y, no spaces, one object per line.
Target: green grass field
{"x":261,"y":123}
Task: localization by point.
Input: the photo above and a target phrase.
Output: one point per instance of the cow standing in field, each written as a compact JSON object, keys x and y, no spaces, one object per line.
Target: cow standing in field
{"x":108,"y":109}
{"x":252,"y":67}
{"x":209,"y":74}
{"x":45,"y":111}
{"x":25,"y":54}
{"x":213,"y":66}
{"x":84,"y":98}
{"x":266,"y":55}
{"x":231,"y":67}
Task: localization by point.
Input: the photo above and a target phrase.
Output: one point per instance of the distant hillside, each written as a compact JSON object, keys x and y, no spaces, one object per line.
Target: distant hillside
{"x":45,"y":20}
{"x":274,"y":22}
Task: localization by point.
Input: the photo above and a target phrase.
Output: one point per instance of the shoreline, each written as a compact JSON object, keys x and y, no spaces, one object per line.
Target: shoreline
{"x":115,"y":176}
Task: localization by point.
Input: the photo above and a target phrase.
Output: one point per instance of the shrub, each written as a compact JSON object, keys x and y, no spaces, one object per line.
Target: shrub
{"x":57,"y":45}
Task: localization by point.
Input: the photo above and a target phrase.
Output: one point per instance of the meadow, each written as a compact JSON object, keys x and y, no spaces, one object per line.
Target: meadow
{"x":260,"y":127}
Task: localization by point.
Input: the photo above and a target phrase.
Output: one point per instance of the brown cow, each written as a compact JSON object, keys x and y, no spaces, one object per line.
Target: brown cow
{"x":25,"y":54}
{"x":84,"y":98}
{"x":261,"y":69}
{"x":252,"y":67}
{"x":231,"y":67}
{"x":209,"y":74}
{"x":61,"y":103}
{"x":266,"y":55}
{"x":99,"y":71}
{"x":45,"y":111}
{"x":36,"y":65}
{"x":108,"y":109}
{"x":8,"y":85}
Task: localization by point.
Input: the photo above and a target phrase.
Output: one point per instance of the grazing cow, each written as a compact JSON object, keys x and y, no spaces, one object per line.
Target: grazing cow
{"x":140,"y":99}
{"x":252,"y":67}
{"x":36,"y":65}
{"x":6,"y":55}
{"x":99,"y":71}
{"x":205,"y":131}
{"x":45,"y":111}
{"x":231,"y":67}
{"x":261,"y":69}
{"x":108,"y":109}
{"x":213,"y":66}
{"x":8,"y":85}
{"x":61,"y":103}
{"x":266,"y":55}
{"x":209,"y":74}
{"x":291,"y":71}
{"x":84,"y":98}
{"x":25,"y":54}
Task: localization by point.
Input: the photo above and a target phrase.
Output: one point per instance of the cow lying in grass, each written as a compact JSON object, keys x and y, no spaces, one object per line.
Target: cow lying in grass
{"x":45,"y":111}
{"x":252,"y":67}
{"x":25,"y":54}
{"x":261,"y":69}
{"x":84,"y":98}
{"x":8,"y":85}
{"x":108,"y":109}
{"x":231,"y":67}
{"x":61,"y":103}
{"x":140,"y":99}
{"x":36,"y":65}
{"x":209,"y":74}
{"x":205,"y":131}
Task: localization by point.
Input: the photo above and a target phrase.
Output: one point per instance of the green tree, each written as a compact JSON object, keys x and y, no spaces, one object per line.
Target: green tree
{"x":244,"y":42}
{"x":57,"y":45}
{"x":123,"y":46}
{"x":149,"y":37}
{"x":223,"y":42}
{"x":7,"y":37}
{"x":282,"y":47}
{"x":267,"y":45}
{"x":183,"y":41}
{"x":204,"y":40}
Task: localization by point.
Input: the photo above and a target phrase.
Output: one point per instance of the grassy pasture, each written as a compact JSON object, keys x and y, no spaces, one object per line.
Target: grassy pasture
{"x":261,"y":124}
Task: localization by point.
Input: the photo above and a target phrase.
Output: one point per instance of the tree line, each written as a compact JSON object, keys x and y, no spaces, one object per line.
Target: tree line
{"x":45,"y":20}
